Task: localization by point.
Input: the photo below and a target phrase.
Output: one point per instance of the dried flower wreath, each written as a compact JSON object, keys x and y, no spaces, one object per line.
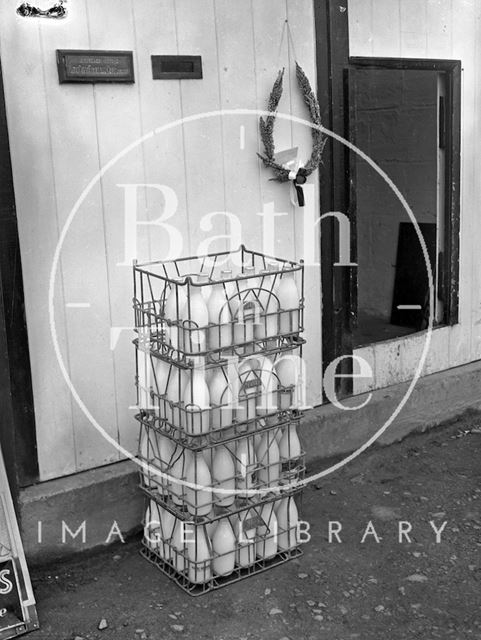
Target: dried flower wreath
{"x":266,"y":128}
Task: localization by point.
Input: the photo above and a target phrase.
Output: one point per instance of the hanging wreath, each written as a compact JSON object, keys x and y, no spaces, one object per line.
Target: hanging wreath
{"x":266,"y":127}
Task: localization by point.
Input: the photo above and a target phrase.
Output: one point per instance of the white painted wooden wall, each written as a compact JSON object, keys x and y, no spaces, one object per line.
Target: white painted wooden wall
{"x":449,"y":30}
{"x":61,"y":135}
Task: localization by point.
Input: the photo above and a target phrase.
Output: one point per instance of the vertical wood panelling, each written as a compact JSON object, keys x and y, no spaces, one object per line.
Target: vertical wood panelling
{"x":60,"y":135}
{"x":301,"y":20}
{"x":386,"y":13}
{"x":269,"y":19}
{"x":34,"y":181}
{"x":118,"y":125}
{"x":439,"y":19}
{"x":413,"y":29}
{"x":361,"y":14}
{"x":203,"y":139}
{"x":73,"y":130}
{"x":237,"y":79}
{"x":163,"y":154}
{"x":476,"y":239}
{"x":464,"y":48}
{"x":72,"y":115}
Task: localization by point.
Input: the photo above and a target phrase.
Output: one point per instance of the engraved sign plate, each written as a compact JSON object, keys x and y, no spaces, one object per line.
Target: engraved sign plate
{"x":78,"y":65}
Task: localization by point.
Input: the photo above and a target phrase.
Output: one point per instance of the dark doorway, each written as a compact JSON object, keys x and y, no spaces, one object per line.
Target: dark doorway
{"x":404,"y":115}
{"x":396,"y":124}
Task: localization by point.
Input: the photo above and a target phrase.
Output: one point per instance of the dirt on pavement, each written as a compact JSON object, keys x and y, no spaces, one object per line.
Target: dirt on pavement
{"x":372,"y":590}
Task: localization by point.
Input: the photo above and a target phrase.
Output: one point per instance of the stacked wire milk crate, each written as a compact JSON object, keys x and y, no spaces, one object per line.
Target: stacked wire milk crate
{"x":220,"y":385}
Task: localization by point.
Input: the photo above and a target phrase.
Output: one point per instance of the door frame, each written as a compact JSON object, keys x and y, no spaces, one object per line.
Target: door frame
{"x":17,"y":423}
{"x":332,"y":58}
{"x":337,"y":190}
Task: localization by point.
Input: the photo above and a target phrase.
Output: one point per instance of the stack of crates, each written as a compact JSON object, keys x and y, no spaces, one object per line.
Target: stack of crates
{"x":220,"y":383}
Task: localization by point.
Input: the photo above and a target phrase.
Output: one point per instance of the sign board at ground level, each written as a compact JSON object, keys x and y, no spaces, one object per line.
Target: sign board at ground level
{"x":17,"y":604}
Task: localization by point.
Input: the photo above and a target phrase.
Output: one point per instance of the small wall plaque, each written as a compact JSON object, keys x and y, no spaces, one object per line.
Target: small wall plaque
{"x":176,"y":67}
{"x":77,"y":65}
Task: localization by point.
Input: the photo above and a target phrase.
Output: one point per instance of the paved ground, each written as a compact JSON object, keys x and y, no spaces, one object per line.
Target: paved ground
{"x":338,"y":591}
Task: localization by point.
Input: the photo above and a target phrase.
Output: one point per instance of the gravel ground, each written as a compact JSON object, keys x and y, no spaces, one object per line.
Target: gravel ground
{"x":368,"y":589}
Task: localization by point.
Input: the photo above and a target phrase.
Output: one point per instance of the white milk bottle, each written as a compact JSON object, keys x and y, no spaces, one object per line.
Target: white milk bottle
{"x":220,"y":394}
{"x":269,"y":320}
{"x":289,"y":446}
{"x":167,"y":521}
{"x":199,"y":497}
{"x":248,"y":390}
{"x":152,"y":526}
{"x":144,"y":378}
{"x":223,"y":475}
{"x":149,"y":454}
{"x":206,"y":290}
{"x":287,"y":521}
{"x":230,"y":289}
{"x":267,"y":403}
{"x":266,"y":545}
{"x":246,"y":534}
{"x":178,"y":545}
{"x":247,"y":310}
{"x":245,"y":466}
{"x":288,"y":295}
{"x":223,"y":546}
{"x":176,"y":471}
{"x":166,"y":451}
{"x":198,"y":553}
{"x":210,"y":524}
{"x":268,"y":457}
{"x":220,"y":335}
{"x":195,"y":318}
{"x":197,"y":403}
{"x":160,"y":377}
{"x":170,"y":409}
{"x":174,"y":304}
{"x":290,"y":372}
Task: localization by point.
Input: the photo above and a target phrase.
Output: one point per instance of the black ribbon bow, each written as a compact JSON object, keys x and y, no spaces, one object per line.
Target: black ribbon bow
{"x":300,"y":179}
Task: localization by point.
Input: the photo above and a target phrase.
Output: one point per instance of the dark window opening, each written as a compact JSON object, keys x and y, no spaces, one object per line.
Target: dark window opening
{"x":405,"y":118}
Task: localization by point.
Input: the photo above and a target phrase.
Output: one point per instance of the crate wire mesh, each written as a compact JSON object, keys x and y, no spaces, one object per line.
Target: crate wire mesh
{"x":195,"y":556}
{"x":206,"y":403}
{"x":220,"y":387}
{"x":256,"y":305}
{"x":207,"y":481}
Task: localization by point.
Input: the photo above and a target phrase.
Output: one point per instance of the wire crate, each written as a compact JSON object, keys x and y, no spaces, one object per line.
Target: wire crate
{"x":203,"y":556}
{"x":205,"y":482}
{"x":220,"y":389}
{"x":207,"y":403}
{"x":231,"y":303}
